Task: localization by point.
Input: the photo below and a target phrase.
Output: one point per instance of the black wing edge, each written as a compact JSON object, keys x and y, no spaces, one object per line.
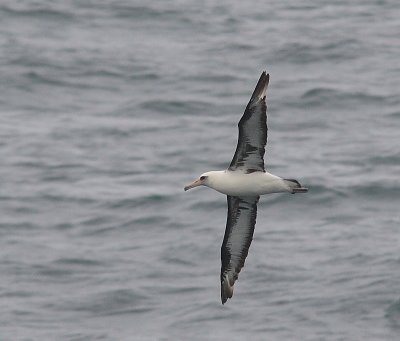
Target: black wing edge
{"x":234,"y":214}
{"x":260,"y":87}
{"x":258,"y":95}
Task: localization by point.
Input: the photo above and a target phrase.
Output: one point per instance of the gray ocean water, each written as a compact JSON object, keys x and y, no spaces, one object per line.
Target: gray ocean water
{"x":108,"y":108}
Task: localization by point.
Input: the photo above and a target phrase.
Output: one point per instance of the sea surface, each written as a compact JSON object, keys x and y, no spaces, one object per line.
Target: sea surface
{"x":109,"y":108}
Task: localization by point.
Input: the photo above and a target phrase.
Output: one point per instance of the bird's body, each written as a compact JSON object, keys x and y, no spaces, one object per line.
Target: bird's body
{"x":238,"y":183}
{"x":243,"y":183}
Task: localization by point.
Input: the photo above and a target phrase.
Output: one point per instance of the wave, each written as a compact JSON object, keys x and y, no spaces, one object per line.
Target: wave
{"x":302,"y":53}
{"x":188,"y":107}
{"x":388,"y":159}
{"x":337,"y":98}
{"x":78,"y":261}
{"x":38,"y":13}
{"x":142,"y":13}
{"x":56,"y":80}
{"x":111,"y":302}
{"x":392,"y":313}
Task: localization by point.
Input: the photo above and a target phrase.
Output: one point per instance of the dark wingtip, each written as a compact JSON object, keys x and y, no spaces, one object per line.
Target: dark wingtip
{"x":261,"y":86}
{"x":266,"y":75}
{"x":226,"y":290}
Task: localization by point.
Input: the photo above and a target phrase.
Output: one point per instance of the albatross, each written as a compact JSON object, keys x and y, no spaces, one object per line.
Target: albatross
{"x":243,"y":183}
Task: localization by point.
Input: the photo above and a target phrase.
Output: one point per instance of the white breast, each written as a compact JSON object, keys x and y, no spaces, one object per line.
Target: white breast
{"x":237,"y":183}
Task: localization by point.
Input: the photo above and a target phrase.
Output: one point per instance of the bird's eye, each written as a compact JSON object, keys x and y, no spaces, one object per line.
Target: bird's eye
{"x":202,"y":177}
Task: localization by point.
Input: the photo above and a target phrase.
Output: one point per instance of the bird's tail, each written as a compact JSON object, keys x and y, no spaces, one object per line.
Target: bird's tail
{"x":295,"y":186}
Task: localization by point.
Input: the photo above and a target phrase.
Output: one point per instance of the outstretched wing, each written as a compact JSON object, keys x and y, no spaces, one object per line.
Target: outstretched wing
{"x":249,"y":155}
{"x":239,"y":230}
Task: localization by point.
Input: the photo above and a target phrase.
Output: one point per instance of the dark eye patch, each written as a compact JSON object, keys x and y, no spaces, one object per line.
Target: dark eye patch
{"x":203,"y":177}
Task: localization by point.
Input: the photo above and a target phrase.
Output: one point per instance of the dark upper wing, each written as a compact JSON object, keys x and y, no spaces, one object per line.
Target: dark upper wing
{"x":250,"y":149}
{"x":239,"y":230}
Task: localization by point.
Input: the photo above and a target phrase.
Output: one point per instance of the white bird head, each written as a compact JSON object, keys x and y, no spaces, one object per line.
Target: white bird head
{"x":201,"y":181}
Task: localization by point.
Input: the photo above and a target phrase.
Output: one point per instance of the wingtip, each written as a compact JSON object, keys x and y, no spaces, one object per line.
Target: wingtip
{"x":266,"y":79}
{"x":261,"y":87}
{"x":264,"y":73}
{"x":226,"y":289}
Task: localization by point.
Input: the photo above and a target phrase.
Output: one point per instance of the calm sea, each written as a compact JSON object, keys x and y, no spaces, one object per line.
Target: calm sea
{"x":108,"y":108}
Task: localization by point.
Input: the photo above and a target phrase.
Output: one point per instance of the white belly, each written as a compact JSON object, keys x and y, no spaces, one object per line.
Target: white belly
{"x":253,"y":184}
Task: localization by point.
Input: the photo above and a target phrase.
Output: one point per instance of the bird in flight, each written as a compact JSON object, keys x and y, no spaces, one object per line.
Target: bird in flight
{"x":243,"y":183}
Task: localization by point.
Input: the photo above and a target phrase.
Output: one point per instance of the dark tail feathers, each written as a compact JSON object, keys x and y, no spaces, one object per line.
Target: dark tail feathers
{"x":295,"y":186}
